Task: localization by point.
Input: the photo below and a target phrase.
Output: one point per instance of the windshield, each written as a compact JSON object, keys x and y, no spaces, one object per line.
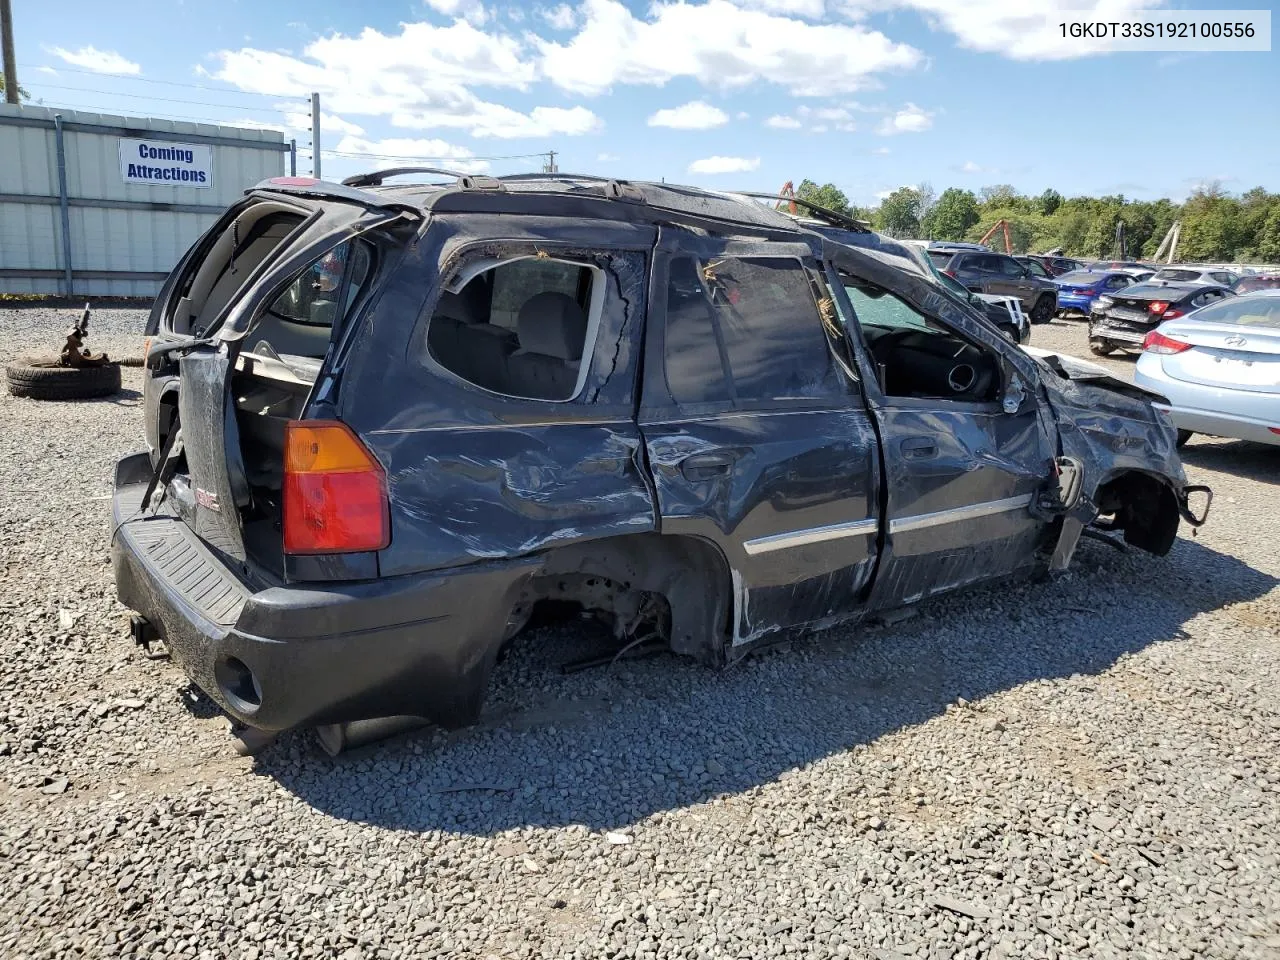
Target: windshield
{"x":1178,"y":275}
{"x":954,"y":285}
{"x":1242,"y":311}
{"x":1081,"y":278}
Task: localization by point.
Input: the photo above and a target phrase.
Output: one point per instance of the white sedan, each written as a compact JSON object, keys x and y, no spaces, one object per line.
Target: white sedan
{"x":1219,"y":367}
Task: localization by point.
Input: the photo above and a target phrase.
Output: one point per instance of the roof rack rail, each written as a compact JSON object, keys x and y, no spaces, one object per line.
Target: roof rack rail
{"x":820,"y":213}
{"x":468,"y":181}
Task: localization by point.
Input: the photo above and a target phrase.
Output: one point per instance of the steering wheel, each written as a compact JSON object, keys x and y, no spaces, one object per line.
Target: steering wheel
{"x":962,"y":377}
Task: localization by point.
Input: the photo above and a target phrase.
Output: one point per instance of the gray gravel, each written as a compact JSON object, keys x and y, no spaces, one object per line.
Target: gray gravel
{"x":1086,"y":768}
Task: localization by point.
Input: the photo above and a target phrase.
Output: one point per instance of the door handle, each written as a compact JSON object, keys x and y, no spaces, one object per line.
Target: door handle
{"x":918,"y":448}
{"x":706,"y":466}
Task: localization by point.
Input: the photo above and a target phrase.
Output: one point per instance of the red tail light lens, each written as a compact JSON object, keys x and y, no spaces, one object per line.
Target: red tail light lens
{"x":1172,"y":314}
{"x":1157,"y":342}
{"x":1158,"y":307}
{"x":951,"y":274}
{"x":335,"y":492}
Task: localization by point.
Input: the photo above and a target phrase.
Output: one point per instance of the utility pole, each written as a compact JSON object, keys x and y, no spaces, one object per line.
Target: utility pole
{"x":10,"y":58}
{"x":315,"y":133}
{"x":551,"y":163}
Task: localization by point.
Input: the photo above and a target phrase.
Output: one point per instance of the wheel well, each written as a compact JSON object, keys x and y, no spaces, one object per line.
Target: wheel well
{"x":1143,"y":506}
{"x":681,"y":585}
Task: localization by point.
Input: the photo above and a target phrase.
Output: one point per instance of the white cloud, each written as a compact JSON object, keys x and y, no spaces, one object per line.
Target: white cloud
{"x":718,"y":44}
{"x":607,"y":158}
{"x":470,"y":10}
{"x":810,"y":9}
{"x":560,"y":18}
{"x":909,"y":119}
{"x":970,"y":167}
{"x":375,"y":73}
{"x":49,"y":70}
{"x":1027,"y":30}
{"x":99,"y":61}
{"x":420,"y":78}
{"x":695,"y":115}
{"x":395,"y":151}
{"x":882,"y":151}
{"x":814,"y":120}
{"x":494,"y":120}
{"x":724,"y":165}
{"x":743,"y":115}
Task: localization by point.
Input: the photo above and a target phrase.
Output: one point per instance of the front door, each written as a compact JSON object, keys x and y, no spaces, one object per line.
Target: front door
{"x":965,"y":448}
{"x":756,"y":433}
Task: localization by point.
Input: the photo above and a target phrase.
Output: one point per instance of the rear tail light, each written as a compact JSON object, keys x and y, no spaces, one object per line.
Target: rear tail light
{"x":1157,"y":307}
{"x":1275,"y":430}
{"x":335,"y":492}
{"x":1157,"y":342}
{"x":1172,"y":314}
{"x":951,"y":274}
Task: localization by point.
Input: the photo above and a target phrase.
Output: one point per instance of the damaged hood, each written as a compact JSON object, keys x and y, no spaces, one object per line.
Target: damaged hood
{"x":1070,"y":368}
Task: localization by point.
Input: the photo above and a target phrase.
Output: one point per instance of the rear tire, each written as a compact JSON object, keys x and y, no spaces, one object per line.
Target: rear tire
{"x":1183,"y":437}
{"x":42,"y":379}
{"x":1100,"y":348}
{"x":1042,"y":312}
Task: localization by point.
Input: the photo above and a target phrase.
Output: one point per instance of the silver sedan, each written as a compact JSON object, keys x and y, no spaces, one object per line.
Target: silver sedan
{"x":1219,"y":367}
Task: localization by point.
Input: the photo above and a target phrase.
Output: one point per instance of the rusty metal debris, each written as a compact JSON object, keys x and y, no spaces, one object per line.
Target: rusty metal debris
{"x":74,"y":352}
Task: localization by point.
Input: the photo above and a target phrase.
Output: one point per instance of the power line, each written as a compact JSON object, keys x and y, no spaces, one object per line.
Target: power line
{"x":147,"y":96}
{"x":222,"y":122}
{"x":168,"y":83}
{"x":416,"y":159}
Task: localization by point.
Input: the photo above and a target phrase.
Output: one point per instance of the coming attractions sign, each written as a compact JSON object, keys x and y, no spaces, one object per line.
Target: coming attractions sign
{"x":166,"y":164}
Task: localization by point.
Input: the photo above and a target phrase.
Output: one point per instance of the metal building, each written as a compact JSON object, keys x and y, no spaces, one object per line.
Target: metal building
{"x":101,"y":205}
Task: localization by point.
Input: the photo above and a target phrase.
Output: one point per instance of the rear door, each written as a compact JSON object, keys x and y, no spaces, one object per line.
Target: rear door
{"x":756,"y":433}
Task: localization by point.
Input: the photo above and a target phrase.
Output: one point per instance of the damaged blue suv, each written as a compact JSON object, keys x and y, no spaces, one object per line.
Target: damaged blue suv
{"x":385,"y":422}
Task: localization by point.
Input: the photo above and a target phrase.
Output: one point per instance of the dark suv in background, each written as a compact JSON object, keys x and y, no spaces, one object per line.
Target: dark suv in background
{"x":1002,"y":275}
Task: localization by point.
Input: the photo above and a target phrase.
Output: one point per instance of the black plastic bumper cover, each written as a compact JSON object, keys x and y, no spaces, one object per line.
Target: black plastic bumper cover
{"x":317,"y":653}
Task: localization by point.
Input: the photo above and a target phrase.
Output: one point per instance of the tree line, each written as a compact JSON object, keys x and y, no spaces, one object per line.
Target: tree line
{"x":1216,"y":225}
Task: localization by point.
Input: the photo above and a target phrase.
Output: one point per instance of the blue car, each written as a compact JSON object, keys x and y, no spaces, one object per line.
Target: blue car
{"x":1077,"y":290}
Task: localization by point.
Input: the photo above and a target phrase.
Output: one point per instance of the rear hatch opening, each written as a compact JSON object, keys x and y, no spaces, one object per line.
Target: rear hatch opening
{"x":267,"y":294}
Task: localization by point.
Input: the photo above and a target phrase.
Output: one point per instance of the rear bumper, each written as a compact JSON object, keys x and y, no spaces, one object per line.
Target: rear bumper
{"x":1206,"y":410}
{"x":1117,"y":330}
{"x":282,"y":656}
{"x":1070,"y":303}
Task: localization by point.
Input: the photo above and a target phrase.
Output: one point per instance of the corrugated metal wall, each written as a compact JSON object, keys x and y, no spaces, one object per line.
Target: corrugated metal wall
{"x":116,"y":228}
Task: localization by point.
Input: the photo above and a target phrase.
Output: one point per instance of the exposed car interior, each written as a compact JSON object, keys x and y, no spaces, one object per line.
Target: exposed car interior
{"x":917,"y":356}
{"x":237,"y":252}
{"x":518,"y":327}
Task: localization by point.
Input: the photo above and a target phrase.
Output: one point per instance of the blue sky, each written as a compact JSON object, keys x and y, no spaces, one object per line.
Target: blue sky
{"x":867,"y":94}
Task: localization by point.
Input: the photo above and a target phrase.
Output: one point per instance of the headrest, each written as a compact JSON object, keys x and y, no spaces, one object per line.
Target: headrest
{"x":467,"y":305}
{"x":552,"y":324}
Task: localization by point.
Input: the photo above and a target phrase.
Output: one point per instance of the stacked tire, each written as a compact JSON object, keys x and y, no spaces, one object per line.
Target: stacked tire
{"x":42,"y":379}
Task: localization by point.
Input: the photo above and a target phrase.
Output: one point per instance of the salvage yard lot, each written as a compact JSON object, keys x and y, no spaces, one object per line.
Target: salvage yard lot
{"x":1089,"y":767}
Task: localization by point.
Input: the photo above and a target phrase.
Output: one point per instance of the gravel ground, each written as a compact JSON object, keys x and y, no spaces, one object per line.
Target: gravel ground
{"x":1086,"y":768}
